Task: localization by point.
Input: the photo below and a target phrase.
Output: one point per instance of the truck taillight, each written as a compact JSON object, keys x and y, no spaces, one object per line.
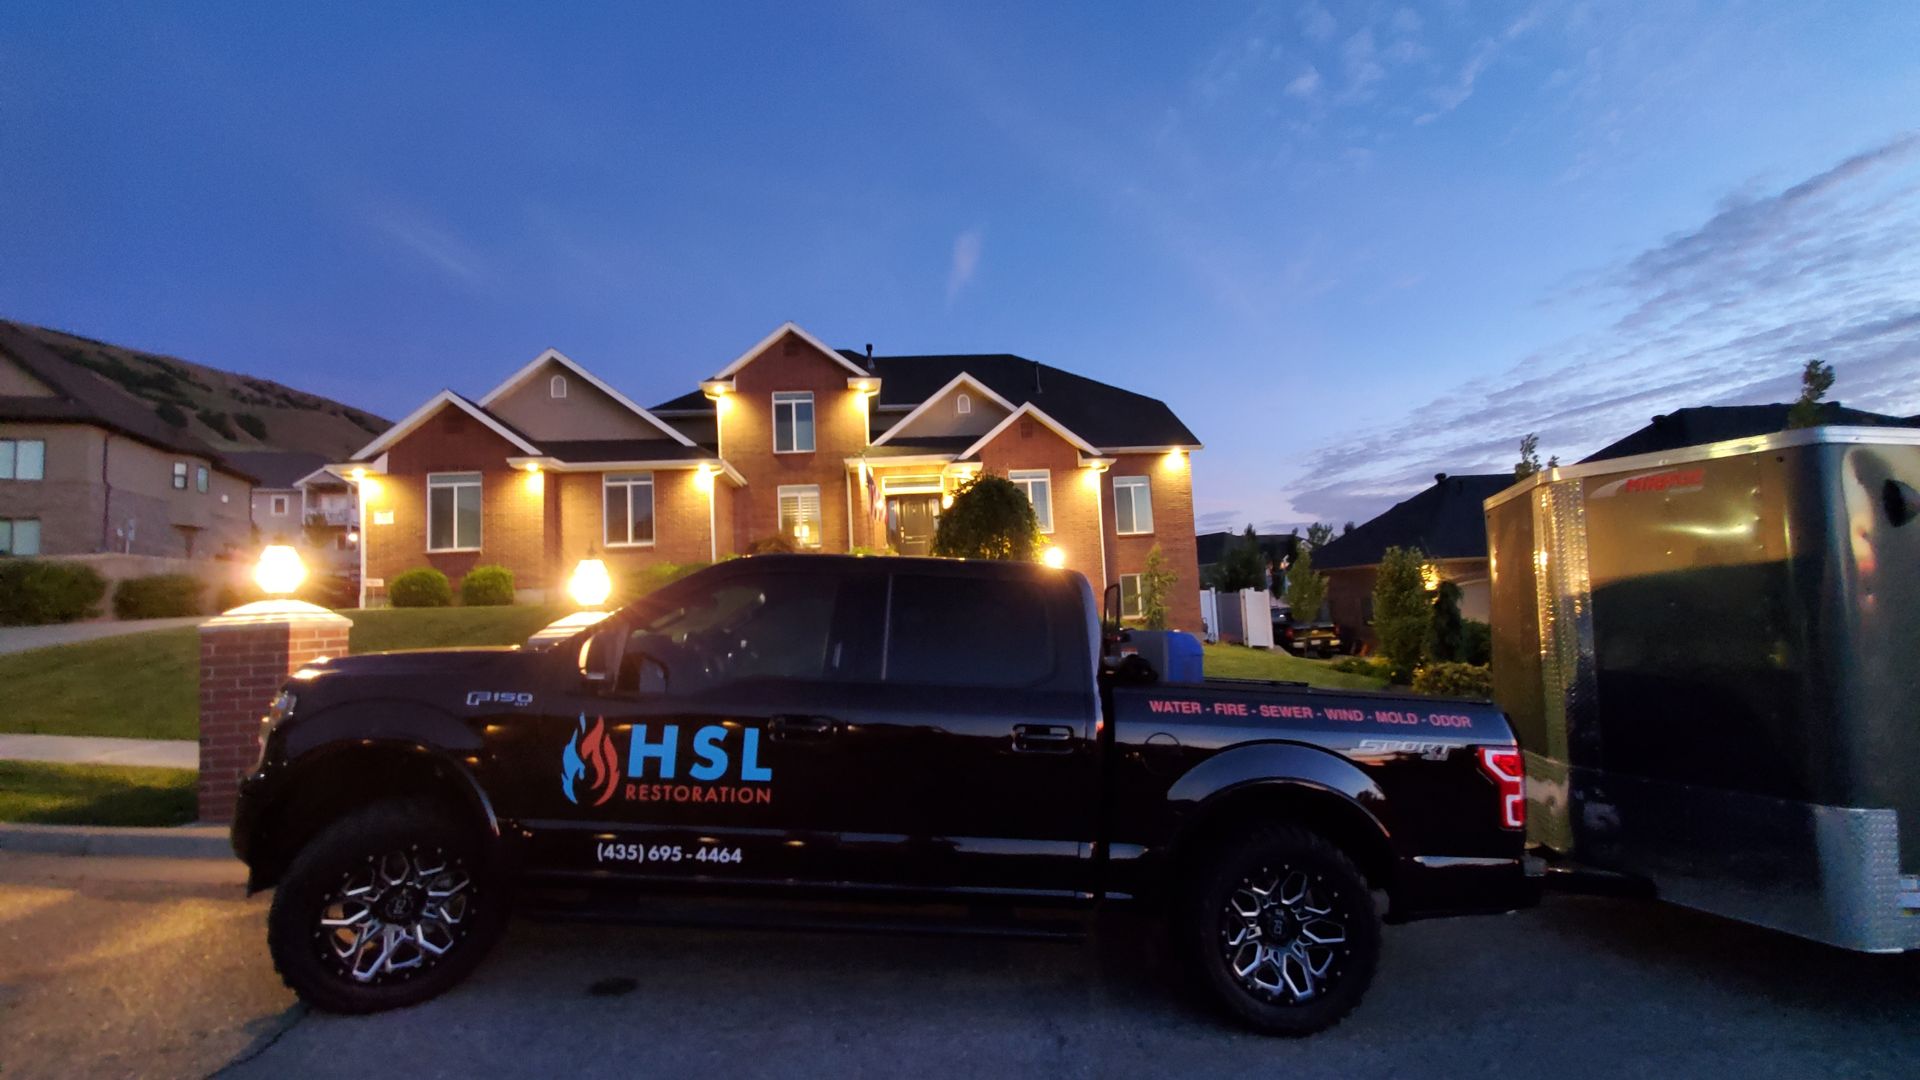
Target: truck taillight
{"x":1502,"y":766}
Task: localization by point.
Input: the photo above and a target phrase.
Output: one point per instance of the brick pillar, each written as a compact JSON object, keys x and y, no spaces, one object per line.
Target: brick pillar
{"x":245,"y":655}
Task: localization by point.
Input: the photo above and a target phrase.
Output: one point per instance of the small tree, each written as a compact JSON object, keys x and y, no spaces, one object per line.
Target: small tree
{"x":991,"y":518}
{"x":1402,"y":613}
{"x":1446,"y":638}
{"x":1815,"y":380}
{"x":1320,"y":533}
{"x":1243,"y":565}
{"x":1347,"y":528}
{"x":1306,"y":590}
{"x":1156,"y":582}
{"x":1529,"y":462}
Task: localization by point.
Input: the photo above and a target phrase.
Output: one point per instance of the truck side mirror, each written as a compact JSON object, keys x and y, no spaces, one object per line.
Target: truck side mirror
{"x":1110,"y":609}
{"x":600,"y":658}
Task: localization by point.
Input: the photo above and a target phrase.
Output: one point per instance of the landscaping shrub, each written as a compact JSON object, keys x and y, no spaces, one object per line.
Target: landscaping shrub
{"x":420,"y":587}
{"x":230,"y":596}
{"x":1364,"y":665}
{"x":1402,"y":612}
{"x":1454,"y":680}
{"x":1476,"y":642}
{"x":158,"y":596}
{"x":38,"y":591}
{"x":991,"y":518}
{"x":487,"y":586}
{"x":777,"y":544}
{"x":1445,"y":634}
{"x":642,"y":580}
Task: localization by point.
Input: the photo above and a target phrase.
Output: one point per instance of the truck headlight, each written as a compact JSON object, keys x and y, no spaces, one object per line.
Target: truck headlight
{"x":281,"y":708}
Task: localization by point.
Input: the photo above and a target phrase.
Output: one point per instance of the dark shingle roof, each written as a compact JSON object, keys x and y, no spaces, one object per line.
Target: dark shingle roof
{"x":1718,"y":423}
{"x":80,"y":396}
{"x":277,"y":468}
{"x":1445,"y":521}
{"x":1104,"y":415}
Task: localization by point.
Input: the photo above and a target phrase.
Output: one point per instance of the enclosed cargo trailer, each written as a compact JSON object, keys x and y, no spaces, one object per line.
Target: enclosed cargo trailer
{"x":1711,"y":657}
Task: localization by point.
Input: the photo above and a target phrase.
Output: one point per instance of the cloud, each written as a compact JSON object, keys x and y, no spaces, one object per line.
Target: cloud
{"x":1305,"y":84}
{"x":438,"y":246}
{"x":1363,"y":69}
{"x":966,"y":260}
{"x":1406,"y":22}
{"x":1455,"y":93}
{"x":1720,"y":314}
{"x":1317,"y":23}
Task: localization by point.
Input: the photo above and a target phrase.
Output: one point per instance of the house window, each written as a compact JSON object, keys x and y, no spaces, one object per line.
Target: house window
{"x":1037,"y":485}
{"x":279,"y":505}
{"x":1132,"y":505}
{"x":963,"y":405}
{"x":793,"y":422}
{"x":179,"y":476}
{"x":1130,"y":600}
{"x":453,"y":511}
{"x":628,"y":502}
{"x":23,"y":459}
{"x":800,"y":514}
{"x":557,"y":386}
{"x":200,"y":479}
{"x":19,"y":536}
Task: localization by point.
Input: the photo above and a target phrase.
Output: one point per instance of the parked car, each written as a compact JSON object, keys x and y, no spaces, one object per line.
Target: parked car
{"x":1319,"y":638}
{"x":819,"y":727}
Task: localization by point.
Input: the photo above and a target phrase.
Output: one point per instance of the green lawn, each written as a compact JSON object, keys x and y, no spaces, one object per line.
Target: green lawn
{"x":1240,"y":662}
{"x":44,"y":794}
{"x":146,"y":686}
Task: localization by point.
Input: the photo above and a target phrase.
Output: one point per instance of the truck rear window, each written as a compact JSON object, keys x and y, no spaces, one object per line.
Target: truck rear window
{"x":948,"y":631}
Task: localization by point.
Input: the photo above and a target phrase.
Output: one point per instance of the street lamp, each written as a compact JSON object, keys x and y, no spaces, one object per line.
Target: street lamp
{"x":1054,"y":557}
{"x":279,"y":571}
{"x":590,"y":584}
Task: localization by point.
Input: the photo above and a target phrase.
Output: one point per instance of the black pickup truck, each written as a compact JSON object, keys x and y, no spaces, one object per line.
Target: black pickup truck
{"x":835,"y":727}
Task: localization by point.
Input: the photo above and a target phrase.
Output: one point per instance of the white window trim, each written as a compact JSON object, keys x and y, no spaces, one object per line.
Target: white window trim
{"x":800,"y":491}
{"x":13,"y":468}
{"x":434,"y":481}
{"x":202,"y":479}
{"x":557,"y":386}
{"x":1139,"y":597}
{"x":1131,"y":484}
{"x":963,"y":405}
{"x":277,"y":505}
{"x":179,"y":479}
{"x":1018,"y":475}
{"x":794,"y":397}
{"x":628,"y":481}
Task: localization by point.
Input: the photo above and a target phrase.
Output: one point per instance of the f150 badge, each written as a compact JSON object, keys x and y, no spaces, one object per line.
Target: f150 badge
{"x":519,"y":699}
{"x":590,"y":771}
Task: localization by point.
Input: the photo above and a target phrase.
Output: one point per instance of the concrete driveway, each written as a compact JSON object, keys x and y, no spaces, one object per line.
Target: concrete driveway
{"x":106,"y":971}
{"x":15,"y":639}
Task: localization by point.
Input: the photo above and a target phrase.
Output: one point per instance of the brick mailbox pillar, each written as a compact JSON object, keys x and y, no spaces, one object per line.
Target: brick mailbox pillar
{"x":245,"y":655}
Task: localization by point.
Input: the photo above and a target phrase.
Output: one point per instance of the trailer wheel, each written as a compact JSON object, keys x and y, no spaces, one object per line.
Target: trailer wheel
{"x":1282,"y":931}
{"x":386,"y":907}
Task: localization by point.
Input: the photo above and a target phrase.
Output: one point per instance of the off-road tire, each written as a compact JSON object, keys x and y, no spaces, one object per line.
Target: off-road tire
{"x":1228,"y":880}
{"x":362,"y":847}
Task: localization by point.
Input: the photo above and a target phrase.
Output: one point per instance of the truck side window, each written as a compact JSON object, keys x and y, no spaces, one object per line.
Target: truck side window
{"x":946,"y":631}
{"x":777,"y":626}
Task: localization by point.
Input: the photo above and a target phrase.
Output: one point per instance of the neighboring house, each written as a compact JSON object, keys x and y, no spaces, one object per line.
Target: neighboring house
{"x":1718,"y":423}
{"x":84,"y":468}
{"x":299,"y":502}
{"x":832,"y":450}
{"x":1279,"y":549}
{"x":1445,"y":521}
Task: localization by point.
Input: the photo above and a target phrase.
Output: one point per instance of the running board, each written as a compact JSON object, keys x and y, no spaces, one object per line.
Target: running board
{"x":1578,"y":880}
{"x":944,"y":921}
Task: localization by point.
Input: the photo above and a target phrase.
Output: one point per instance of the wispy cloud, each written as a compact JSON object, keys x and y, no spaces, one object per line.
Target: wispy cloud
{"x":440,"y":247}
{"x":1455,"y":92}
{"x":1723,"y":313}
{"x":1317,"y":23}
{"x":965,"y":261}
{"x":1305,"y":84}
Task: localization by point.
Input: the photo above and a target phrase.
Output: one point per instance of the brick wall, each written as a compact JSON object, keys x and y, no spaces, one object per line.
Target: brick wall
{"x":746,"y":439}
{"x":1030,"y":444}
{"x":1172,"y":494}
{"x":513,"y":505}
{"x":679,"y":520}
{"x":242,"y":664}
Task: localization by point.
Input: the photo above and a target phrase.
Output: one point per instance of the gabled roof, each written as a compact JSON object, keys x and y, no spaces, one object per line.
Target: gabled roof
{"x":278,"y":469}
{"x":1718,"y":423}
{"x":1209,"y":548}
{"x":590,"y":450}
{"x":421,"y":415}
{"x":962,"y":379}
{"x":555,"y":356}
{"x":1446,"y":521}
{"x":1030,"y":409}
{"x":80,"y":396}
{"x":784,"y":329}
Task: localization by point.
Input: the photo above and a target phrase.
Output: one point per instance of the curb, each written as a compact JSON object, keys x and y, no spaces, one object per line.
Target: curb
{"x":179,"y":842}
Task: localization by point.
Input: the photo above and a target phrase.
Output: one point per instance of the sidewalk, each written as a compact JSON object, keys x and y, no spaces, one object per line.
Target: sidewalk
{"x":15,"y":639}
{"x":92,"y":750}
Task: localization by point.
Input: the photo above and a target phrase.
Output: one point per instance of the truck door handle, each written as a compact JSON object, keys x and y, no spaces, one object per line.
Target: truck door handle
{"x":791,"y":728}
{"x":1043,"y":738}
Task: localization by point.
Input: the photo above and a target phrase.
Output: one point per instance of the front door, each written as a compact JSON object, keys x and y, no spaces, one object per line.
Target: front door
{"x":910,"y":523}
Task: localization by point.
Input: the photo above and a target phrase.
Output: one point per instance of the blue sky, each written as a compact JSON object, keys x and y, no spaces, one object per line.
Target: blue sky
{"x":1352,"y":244}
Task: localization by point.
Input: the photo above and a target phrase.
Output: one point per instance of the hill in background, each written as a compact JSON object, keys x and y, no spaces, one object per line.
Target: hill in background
{"x":227,"y":410}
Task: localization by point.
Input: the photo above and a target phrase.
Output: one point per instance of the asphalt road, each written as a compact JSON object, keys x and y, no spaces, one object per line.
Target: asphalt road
{"x":122,"y":967}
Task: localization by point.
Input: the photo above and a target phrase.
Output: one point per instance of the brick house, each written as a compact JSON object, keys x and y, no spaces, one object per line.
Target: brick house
{"x":832,"y":449}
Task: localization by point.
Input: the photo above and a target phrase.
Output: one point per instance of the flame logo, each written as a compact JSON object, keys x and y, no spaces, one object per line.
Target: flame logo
{"x":589,"y":768}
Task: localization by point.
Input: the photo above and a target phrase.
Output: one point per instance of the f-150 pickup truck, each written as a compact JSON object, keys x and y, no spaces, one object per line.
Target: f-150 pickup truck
{"x":868,"y":727}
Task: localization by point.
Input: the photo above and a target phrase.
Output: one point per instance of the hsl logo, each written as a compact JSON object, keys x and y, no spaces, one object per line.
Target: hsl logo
{"x":590,"y":767}
{"x":590,"y":763}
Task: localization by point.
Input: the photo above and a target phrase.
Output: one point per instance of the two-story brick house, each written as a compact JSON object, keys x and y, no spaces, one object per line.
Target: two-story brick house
{"x":834,"y":450}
